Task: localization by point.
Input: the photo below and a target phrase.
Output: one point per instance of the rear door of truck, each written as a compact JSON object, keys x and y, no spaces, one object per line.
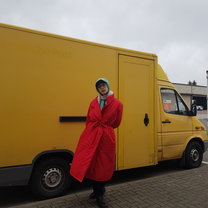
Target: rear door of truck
{"x":136,"y":135}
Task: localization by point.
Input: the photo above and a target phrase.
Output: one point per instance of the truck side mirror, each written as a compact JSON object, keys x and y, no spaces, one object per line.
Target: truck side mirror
{"x":193,"y":111}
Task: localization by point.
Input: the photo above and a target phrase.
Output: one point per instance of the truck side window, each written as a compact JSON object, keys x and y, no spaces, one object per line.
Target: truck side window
{"x":172,"y":102}
{"x":169,"y":101}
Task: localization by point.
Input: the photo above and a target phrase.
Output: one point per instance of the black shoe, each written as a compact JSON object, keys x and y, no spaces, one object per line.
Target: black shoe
{"x":100,"y":202}
{"x":92,"y":196}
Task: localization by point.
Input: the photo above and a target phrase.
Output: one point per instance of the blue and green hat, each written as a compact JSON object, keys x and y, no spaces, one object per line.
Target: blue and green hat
{"x":102,"y":80}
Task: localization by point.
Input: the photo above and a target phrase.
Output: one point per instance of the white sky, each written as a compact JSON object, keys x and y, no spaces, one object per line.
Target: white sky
{"x":175,"y":30}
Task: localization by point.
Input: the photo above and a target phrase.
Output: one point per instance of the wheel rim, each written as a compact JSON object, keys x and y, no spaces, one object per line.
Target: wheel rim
{"x":52,"y":178}
{"x":194,"y":154}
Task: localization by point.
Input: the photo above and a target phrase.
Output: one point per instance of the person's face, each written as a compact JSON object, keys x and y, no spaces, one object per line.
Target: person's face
{"x":102,"y":88}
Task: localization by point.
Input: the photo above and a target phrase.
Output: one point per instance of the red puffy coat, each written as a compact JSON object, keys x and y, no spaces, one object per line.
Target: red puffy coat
{"x":95,"y":153}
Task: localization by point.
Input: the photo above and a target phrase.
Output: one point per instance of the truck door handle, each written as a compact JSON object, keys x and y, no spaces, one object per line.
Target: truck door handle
{"x":146,"y":119}
{"x":166,"y":121}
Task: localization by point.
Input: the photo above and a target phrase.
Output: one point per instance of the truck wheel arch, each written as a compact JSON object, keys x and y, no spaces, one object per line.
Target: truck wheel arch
{"x":62,"y":153}
{"x":195,"y":139}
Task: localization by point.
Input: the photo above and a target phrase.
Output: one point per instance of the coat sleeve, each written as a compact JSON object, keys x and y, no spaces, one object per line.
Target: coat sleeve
{"x":119,"y":116}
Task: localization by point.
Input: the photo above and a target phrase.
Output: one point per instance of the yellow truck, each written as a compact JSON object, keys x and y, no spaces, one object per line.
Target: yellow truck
{"x":46,"y":84}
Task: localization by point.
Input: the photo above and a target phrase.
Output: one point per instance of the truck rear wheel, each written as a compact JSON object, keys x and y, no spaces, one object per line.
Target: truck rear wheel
{"x":193,"y":155}
{"x":50,"y":178}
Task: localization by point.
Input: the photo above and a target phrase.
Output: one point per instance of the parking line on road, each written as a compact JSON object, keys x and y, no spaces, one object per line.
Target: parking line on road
{"x":205,"y":162}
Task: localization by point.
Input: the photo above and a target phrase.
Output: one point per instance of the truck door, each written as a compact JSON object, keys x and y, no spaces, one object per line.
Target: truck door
{"x":176,"y":124}
{"x":136,"y":139}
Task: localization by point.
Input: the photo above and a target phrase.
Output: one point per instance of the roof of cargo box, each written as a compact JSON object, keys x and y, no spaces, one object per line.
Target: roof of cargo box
{"x":160,"y":73}
{"x":130,"y":52}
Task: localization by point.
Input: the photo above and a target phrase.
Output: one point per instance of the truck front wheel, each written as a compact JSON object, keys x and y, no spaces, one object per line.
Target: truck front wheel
{"x":50,"y":178}
{"x":193,"y":155}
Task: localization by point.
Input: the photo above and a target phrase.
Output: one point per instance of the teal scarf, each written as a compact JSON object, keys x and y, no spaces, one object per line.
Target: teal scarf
{"x":102,"y":103}
{"x":102,"y":100}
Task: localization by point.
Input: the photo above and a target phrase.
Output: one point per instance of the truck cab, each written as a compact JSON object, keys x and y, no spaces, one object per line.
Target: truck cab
{"x":180,"y":133}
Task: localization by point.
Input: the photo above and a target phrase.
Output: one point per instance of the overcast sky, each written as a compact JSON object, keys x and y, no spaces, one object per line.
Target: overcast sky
{"x":175,"y":30}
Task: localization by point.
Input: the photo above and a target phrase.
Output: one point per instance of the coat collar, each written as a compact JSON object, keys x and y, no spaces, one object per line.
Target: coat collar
{"x":104,"y":97}
{"x":109,"y":100}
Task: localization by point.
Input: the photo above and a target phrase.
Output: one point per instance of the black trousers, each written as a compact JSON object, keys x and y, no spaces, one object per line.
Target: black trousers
{"x":98,"y":188}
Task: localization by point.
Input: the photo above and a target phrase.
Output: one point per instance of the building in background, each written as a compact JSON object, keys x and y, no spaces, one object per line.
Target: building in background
{"x":191,"y":92}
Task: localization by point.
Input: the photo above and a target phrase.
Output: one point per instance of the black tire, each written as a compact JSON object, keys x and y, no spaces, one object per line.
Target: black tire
{"x":193,"y":155}
{"x":50,"y":178}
